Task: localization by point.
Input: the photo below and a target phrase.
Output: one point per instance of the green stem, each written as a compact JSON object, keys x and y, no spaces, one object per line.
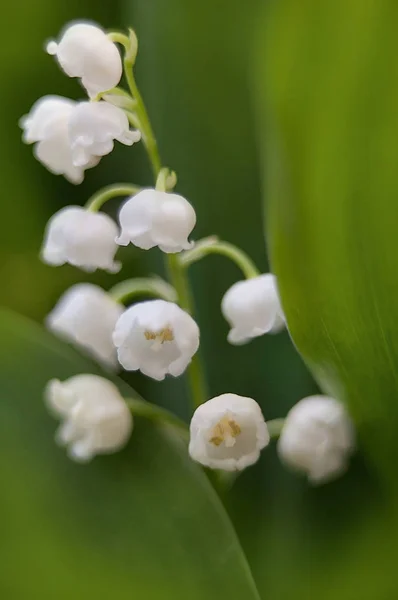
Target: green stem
{"x":213,"y":246}
{"x":148,"y":136}
{"x":143,"y":286}
{"x":119,"y":97}
{"x":177,"y":276}
{"x":94,"y":203}
{"x":275,"y":427}
{"x":195,"y":370}
{"x":140,"y":408}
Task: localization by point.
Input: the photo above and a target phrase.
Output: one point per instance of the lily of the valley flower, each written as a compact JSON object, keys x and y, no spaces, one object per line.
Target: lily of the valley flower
{"x":228,"y":432}
{"x":86,"y":316}
{"x":85,"y":51}
{"x":47,"y":124}
{"x":154,"y":218}
{"x":81,"y":238}
{"x":93,"y":127}
{"x":317,"y":438}
{"x":157,"y":338}
{"x":95,"y":418}
{"x":252,"y":308}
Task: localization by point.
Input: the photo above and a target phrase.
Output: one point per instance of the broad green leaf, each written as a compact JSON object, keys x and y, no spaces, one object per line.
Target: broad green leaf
{"x":328,"y":97}
{"x":144,"y":523}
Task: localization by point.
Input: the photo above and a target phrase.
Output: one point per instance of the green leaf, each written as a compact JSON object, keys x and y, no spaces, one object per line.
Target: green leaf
{"x":144,"y":523}
{"x":328,"y":97}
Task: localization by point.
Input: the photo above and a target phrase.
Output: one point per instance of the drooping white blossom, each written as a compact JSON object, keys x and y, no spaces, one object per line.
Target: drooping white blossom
{"x":317,"y":438}
{"x":252,"y":308}
{"x":153,"y":218}
{"x":228,"y":432}
{"x":84,"y":50}
{"x":47,"y":124}
{"x":86,"y":316}
{"x":157,"y":338}
{"x":93,"y":127}
{"x":81,"y":238}
{"x":95,"y":418}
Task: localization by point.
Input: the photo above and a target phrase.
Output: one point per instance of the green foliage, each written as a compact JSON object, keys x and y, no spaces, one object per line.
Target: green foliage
{"x":146,"y":523}
{"x":329,"y":113}
{"x":143,"y":523}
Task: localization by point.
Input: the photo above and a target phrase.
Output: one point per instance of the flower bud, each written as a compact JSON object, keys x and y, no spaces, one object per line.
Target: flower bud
{"x":228,"y":432}
{"x":252,"y":308}
{"x":95,"y":418}
{"x":84,"y":50}
{"x":153,"y":218}
{"x":157,"y":338}
{"x":86,"y":316}
{"x":317,"y":438}
{"x":81,"y":238}
{"x":93,"y":127}
{"x":48,"y":124}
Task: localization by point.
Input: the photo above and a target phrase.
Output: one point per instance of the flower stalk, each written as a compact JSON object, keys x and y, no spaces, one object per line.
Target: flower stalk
{"x":98,"y":199}
{"x":176,"y":273}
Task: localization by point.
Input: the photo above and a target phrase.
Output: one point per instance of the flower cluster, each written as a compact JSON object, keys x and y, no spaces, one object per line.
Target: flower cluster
{"x":158,"y":337}
{"x":70,"y":136}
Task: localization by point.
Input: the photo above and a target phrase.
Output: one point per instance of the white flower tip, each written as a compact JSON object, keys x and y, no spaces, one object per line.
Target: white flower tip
{"x":317,"y":438}
{"x":98,"y":421}
{"x":122,"y":240}
{"x":130,"y":137}
{"x":114,"y":267}
{"x":156,"y":337}
{"x":86,"y":316}
{"x":252,"y":308}
{"x":228,"y":432}
{"x":51,"y":47}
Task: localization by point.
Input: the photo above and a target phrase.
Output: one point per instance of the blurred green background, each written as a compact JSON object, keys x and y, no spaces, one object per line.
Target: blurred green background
{"x":196,"y":70}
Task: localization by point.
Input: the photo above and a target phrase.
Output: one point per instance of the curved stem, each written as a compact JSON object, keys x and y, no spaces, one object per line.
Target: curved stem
{"x":148,"y":136}
{"x":177,"y":276}
{"x":275,"y":427}
{"x":94,"y":203}
{"x":119,"y":97}
{"x":140,"y":408}
{"x":213,"y":246}
{"x":143,"y":286}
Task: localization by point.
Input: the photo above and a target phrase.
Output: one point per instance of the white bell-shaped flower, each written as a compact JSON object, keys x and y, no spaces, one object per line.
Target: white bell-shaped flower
{"x":153,"y":218}
{"x":95,"y":418}
{"x":93,"y":127}
{"x":47,"y":124}
{"x":38,"y":123}
{"x":228,"y":432}
{"x":86,"y":316}
{"x":81,"y":238}
{"x":252,"y":308}
{"x":317,"y":438}
{"x":84,"y":50}
{"x":157,"y":338}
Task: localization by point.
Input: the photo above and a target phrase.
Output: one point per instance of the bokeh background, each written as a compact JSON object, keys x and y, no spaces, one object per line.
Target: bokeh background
{"x":196,"y":70}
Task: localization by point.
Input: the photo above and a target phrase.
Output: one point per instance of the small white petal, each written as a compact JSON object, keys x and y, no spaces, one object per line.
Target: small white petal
{"x":81,"y":238}
{"x":252,"y":308}
{"x":84,"y":50}
{"x":86,"y":316}
{"x":228,"y":432}
{"x":92,"y":128}
{"x":47,"y":124}
{"x":98,"y":421}
{"x":317,"y":438}
{"x":38,"y":123}
{"x":157,"y":338}
{"x":153,"y":218}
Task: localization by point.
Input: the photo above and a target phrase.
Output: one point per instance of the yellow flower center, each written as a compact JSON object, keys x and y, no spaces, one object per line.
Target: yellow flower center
{"x":162,"y":336}
{"x":226,"y":430}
